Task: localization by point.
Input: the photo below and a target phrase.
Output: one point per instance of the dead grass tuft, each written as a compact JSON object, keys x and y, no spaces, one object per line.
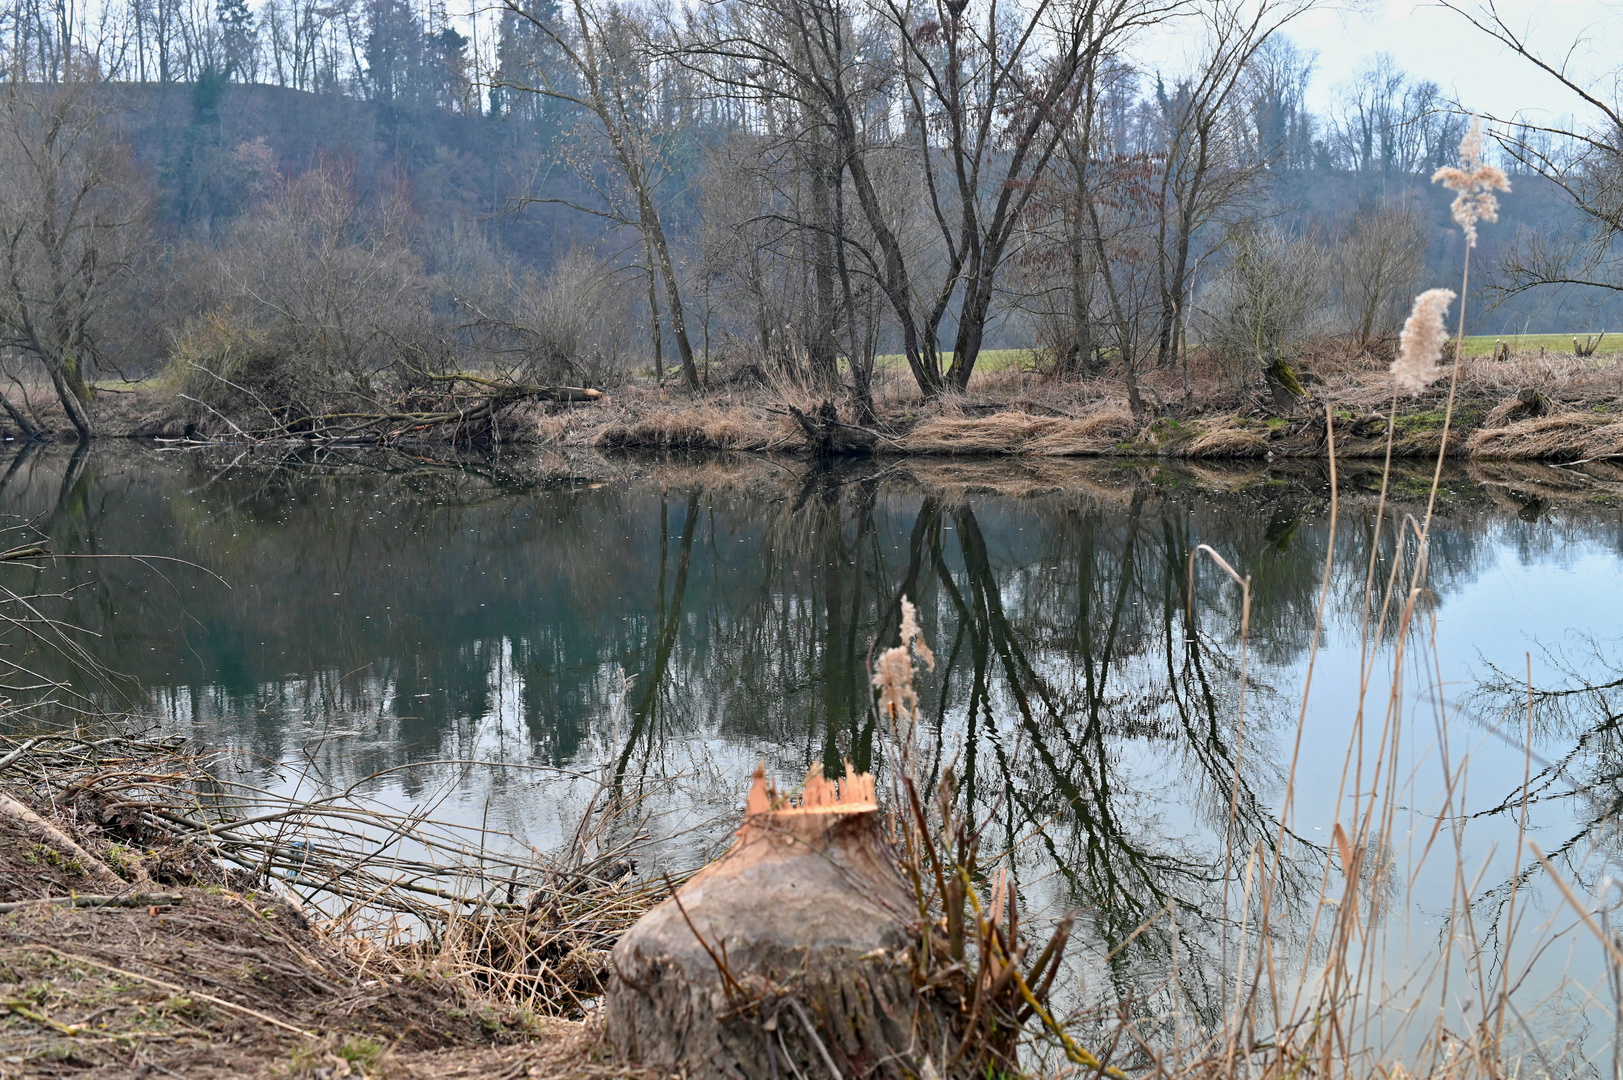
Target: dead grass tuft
{"x":1015,"y":432}
{"x":1563,"y":436}
{"x":701,"y":426}
{"x":1099,"y":432}
{"x":1000,"y":433}
{"x":1224,"y":438}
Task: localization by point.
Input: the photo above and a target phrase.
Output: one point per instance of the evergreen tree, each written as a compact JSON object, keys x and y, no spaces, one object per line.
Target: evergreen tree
{"x":239,"y":39}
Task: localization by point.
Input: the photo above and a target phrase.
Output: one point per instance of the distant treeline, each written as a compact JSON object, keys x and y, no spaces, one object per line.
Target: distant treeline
{"x":319,"y":209}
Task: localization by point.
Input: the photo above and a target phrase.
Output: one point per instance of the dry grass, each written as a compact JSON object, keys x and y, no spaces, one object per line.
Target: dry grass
{"x":1565,"y":436}
{"x":1000,"y":433}
{"x":1017,"y":412}
{"x":1223,"y":438}
{"x":700,"y":427}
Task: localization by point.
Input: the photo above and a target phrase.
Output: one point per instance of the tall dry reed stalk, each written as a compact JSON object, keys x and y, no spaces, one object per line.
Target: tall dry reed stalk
{"x":1338,"y":1015}
{"x":1341,"y":991}
{"x":973,"y":950}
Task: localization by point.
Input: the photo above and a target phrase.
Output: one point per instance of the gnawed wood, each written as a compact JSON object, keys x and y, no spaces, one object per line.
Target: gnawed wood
{"x":792,"y":954}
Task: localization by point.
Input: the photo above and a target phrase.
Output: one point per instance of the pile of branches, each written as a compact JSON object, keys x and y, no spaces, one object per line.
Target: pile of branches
{"x":135,"y":812}
{"x":471,"y":405}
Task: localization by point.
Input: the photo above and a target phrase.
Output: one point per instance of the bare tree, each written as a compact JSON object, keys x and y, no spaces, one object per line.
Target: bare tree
{"x":1264,"y":300}
{"x":1082,"y":268}
{"x":1204,"y":168}
{"x":69,"y":228}
{"x":1388,"y":123}
{"x":566,"y":326}
{"x":971,"y":99}
{"x":1376,"y":266}
{"x":608,"y":64}
{"x":323,"y":295}
{"x":1585,"y":162}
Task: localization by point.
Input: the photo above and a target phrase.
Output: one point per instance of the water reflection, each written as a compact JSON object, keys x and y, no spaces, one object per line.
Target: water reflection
{"x":670,"y":619}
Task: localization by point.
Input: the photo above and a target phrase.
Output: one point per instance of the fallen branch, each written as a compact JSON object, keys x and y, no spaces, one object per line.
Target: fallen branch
{"x":88,"y":900}
{"x":27,"y":818}
{"x":388,"y":424}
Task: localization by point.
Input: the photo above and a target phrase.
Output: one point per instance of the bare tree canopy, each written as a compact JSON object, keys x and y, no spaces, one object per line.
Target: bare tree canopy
{"x":69,"y":229}
{"x":1585,"y":161}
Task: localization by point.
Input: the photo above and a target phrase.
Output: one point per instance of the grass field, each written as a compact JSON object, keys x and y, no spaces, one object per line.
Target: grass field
{"x":1482,"y":344}
{"x":989,"y":360}
{"x":1475,"y":345}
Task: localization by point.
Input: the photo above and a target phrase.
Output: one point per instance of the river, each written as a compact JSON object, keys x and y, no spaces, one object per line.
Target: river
{"x":489,"y":636}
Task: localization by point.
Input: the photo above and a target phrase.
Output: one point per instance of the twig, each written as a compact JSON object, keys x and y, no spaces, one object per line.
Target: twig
{"x":811,"y":1033}
{"x":19,"y":752}
{"x":729,"y":982}
{"x":1589,"y":921}
{"x":217,"y":412}
{"x":21,"y":1008}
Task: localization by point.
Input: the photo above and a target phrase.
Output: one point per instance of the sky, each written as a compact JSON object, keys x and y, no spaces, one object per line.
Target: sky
{"x":1429,"y":41}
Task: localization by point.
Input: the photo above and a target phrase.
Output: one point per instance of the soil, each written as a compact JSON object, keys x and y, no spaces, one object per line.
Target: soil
{"x":217,"y":981}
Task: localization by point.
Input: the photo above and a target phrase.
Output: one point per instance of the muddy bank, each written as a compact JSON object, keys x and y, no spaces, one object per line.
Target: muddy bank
{"x":1543,"y":408}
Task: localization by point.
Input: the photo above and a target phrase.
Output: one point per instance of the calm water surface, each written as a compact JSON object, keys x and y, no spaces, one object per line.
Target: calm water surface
{"x":476,"y":634}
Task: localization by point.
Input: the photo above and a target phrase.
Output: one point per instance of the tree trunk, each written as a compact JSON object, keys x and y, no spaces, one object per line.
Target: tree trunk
{"x":966,"y":350}
{"x":823,"y":352}
{"x":860,"y":359}
{"x":65,"y":383}
{"x":788,"y":956}
{"x":29,"y":429}
{"x":673,"y":295}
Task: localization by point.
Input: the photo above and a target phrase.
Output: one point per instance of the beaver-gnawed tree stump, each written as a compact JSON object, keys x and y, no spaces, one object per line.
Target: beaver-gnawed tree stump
{"x":794,"y":947}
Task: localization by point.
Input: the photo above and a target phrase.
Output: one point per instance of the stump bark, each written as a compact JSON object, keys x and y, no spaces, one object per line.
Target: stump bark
{"x":792,"y":954}
{"x":828,"y":436}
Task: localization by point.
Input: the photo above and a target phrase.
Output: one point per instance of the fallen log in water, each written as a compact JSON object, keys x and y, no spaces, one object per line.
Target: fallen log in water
{"x":790,"y":954}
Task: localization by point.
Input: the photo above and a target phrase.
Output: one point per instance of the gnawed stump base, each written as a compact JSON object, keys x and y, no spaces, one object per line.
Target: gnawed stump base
{"x":790,"y":954}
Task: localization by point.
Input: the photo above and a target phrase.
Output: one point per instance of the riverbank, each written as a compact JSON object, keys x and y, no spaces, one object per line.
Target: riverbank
{"x":1533,"y":406}
{"x":133,"y":941}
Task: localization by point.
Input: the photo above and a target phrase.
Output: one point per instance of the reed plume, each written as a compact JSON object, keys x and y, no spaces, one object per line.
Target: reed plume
{"x":1473,"y":181}
{"x":1420,"y":345}
{"x":893,"y":671}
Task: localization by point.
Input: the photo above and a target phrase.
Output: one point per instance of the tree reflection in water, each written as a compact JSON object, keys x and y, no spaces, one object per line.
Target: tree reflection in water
{"x":669,"y":619}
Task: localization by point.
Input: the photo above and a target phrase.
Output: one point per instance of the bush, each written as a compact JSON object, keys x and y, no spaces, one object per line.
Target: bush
{"x":570,"y":326}
{"x":1264,"y":301}
{"x":325,"y":309}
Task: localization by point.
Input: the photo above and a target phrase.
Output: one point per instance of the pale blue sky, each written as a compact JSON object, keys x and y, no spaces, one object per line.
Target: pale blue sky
{"x":1428,"y":40}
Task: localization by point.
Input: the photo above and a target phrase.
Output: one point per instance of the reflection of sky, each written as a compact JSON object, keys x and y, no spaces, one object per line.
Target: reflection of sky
{"x":1514,"y":603}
